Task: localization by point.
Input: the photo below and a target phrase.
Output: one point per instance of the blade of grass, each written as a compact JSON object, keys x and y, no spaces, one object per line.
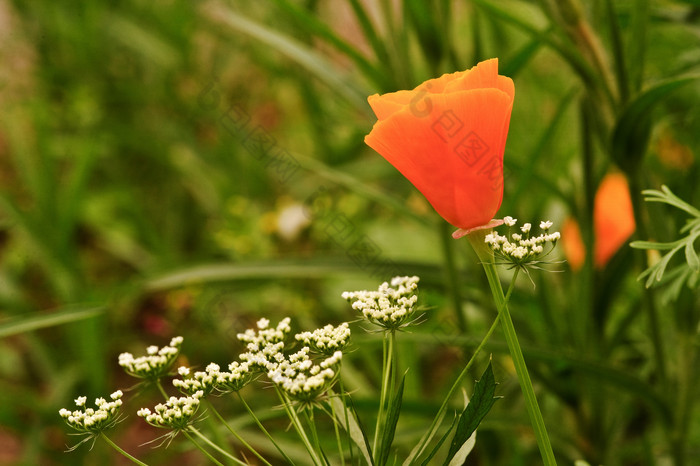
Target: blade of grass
{"x":311,"y":24}
{"x":36,"y":321}
{"x":636,"y":47}
{"x":632,"y":130}
{"x":292,"y":48}
{"x":618,"y":52}
{"x":389,"y":427}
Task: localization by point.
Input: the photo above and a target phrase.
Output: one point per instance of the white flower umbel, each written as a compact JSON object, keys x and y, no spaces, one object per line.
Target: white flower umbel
{"x":176,"y":413}
{"x":391,"y":306}
{"x":238,"y":376}
{"x":155,"y":364}
{"x":264,"y":346}
{"x":523,"y":249}
{"x":326,"y":340}
{"x":303,"y":380}
{"x":94,"y":421}
{"x":200,"y":380}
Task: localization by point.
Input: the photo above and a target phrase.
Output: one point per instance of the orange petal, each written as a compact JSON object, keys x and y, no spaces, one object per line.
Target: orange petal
{"x":454,"y":154}
{"x":481,"y":76}
{"x":613,"y":217}
{"x":574,"y":250}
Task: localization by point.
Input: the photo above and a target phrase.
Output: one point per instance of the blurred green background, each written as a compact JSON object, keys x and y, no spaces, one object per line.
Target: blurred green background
{"x":185,"y":168}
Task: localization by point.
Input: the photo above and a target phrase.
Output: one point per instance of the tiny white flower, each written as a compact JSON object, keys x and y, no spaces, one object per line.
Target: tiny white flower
{"x":510,"y":221}
{"x":546,"y":225}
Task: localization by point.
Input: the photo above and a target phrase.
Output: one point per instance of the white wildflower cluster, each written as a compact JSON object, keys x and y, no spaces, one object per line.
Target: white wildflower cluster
{"x":390,"y":307}
{"x":155,"y":364}
{"x":238,"y":376}
{"x":264,"y":345}
{"x":326,"y":340}
{"x":94,"y":421}
{"x":302,"y":379}
{"x":203,"y":381}
{"x":213,"y":378}
{"x":176,"y":413}
{"x":521,"y":248}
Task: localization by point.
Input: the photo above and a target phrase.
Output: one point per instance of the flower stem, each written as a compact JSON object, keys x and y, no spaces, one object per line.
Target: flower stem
{"x":347,"y":417}
{"x":334,"y":416}
{"x":452,"y":274}
{"x":457,"y":383}
{"x":264,"y":431}
{"x":206,"y":453}
{"x":387,"y":369}
{"x":161,"y":389}
{"x":116,"y":447}
{"x":287,"y":405}
{"x":533,"y":409}
{"x":211,"y":444}
{"x":235,"y":434}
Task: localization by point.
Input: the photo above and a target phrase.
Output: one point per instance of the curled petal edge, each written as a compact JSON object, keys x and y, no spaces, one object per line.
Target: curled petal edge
{"x":492,"y":224}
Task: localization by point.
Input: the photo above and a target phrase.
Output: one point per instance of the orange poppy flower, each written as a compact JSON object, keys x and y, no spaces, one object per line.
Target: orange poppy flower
{"x":613,"y":223}
{"x":447,"y":136}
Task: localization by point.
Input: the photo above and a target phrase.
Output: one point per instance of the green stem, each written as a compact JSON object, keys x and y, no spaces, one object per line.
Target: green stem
{"x":533,"y":409}
{"x":452,"y":274}
{"x":648,"y":296}
{"x":213,"y":445}
{"x":287,"y":405}
{"x":458,"y":381}
{"x":309,"y":415}
{"x":386,"y":362}
{"x":116,"y":447}
{"x":200,"y":448}
{"x":347,"y":417}
{"x":264,"y":431}
{"x":235,"y":434}
{"x":162,"y":390}
{"x":334,"y":416}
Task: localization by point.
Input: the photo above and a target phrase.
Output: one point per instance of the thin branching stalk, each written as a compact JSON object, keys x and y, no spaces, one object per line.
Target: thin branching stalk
{"x":296,"y":422}
{"x":235,"y":434}
{"x":533,"y":409}
{"x":263,"y":429}
{"x":122,"y":452}
{"x":228,"y":455}
{"x":334,"y":417}
{"x":387,"y":358}
{"x":200,"y":448}
{"x":465,"y":370}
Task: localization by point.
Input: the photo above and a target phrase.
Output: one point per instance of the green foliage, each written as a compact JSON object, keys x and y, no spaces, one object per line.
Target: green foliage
{"x":688,"y":272}
{"x":479,"y":405}
{"x":135,"y":205}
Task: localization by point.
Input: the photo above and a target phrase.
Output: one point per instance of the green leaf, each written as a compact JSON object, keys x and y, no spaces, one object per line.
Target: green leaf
{"x":349,"y":421}
{"x":474,"y":413}
{"x":425,"y":440}
{"x":618,"y":51}
{"x":567,"y":51}
{"x":35,"y":321}
{"x":312,"y":24}
{"x":637,"y":43}
{"x":520,"y":58}
{"x":392,"y":419}
{"x":424,"y":20}
{"x":292,"y":48}
{"x":435,"y":449}
{"x":370,"y":33}
{"x":691,"y":257}
{"x":667,"y":197}
{"x":461,"y":455}
{"x":633,"y":127}
{"x":653,"y":245}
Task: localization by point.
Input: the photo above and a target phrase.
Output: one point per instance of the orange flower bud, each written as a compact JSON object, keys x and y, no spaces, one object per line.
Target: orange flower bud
{"x":448,"y":136}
